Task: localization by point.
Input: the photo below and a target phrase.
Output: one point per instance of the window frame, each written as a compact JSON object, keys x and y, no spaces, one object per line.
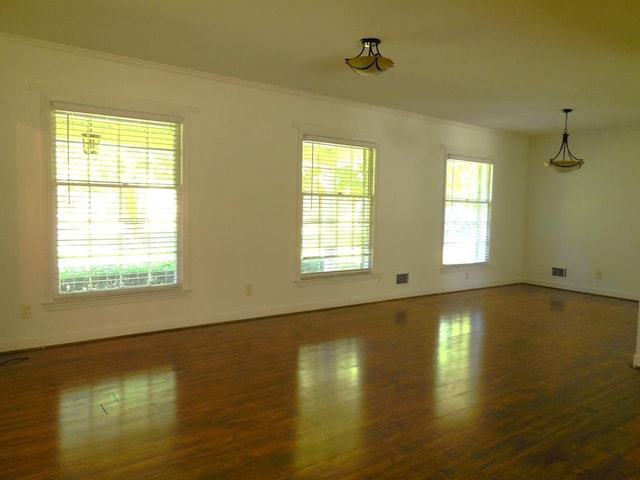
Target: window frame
{"x":350,"y":139}
{"x":472,"y":157}
{"x":56,"y":299}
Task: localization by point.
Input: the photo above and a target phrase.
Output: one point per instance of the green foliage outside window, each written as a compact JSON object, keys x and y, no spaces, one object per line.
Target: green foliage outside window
{"x":337,"y":201}
{"x":117,"y":201}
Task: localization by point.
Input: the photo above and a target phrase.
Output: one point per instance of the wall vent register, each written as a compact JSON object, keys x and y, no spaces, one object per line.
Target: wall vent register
{"x":558,"y":272}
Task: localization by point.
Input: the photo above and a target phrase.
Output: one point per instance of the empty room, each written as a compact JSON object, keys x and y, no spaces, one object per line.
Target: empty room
{"x":296,"y":239}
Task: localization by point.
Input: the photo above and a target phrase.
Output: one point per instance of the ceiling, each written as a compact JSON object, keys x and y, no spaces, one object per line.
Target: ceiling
{"x":506,"y":64}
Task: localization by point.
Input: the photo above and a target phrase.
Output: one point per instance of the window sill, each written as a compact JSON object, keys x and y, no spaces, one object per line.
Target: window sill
{"x":113,"y":298}
{"x":337,"y":279}
{"x":464,"y":266}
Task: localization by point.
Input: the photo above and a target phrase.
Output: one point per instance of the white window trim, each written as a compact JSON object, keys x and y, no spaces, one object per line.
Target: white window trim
{"x":104,"y":103}
{"x":463,"y":153}
{"x":347,"y":137}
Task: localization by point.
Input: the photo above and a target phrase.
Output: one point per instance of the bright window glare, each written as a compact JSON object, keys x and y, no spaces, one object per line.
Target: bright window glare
{"x":467,"y":215}
{"x":117,"y":202}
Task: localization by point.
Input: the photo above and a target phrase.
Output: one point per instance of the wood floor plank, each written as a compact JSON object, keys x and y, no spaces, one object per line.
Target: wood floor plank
{"x":515,"y":382}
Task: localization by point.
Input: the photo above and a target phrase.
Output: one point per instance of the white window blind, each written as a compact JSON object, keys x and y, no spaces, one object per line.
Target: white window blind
{"x":117,"y":201}
{"x":337,"y":204}
{"x":467,"y":215}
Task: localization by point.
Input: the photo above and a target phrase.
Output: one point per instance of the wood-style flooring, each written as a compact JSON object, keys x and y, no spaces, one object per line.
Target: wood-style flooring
{"x":515,"y":382}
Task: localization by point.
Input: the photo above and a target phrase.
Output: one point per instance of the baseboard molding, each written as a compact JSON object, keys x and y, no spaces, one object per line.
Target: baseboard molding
{"x":403,"y":291}
{"x":561,"y":285}
{"x":101,"y":333}
{"x":66,"y":337}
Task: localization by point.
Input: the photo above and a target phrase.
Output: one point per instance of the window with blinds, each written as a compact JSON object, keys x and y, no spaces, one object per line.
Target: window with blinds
{"x":117,"y":187}
{"x":467,"y":211}
{"x":337,"y":207}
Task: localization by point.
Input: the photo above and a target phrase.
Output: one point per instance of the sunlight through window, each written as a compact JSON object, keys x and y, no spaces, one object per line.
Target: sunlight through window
{"x":117,"y":184}
{"x":115,"y":414}
{"x":329,"y":401}
{"x":458,"y":361}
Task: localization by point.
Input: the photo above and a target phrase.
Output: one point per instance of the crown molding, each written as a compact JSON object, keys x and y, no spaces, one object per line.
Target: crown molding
{"x":172,"y":69}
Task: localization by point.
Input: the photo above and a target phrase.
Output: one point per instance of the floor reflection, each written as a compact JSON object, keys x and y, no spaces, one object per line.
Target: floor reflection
{"x":117,"y":414}
{"x":458,"y":358}
{"x":330,"y":376}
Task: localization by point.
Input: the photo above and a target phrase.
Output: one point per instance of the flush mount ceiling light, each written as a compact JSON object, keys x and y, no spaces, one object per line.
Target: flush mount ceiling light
{"x":371,"y":63}
{"x":568,"y":162}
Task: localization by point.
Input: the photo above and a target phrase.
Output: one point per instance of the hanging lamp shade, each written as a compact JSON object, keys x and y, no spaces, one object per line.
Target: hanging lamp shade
{"x":369,"y":61}
{"x":565,"y":161}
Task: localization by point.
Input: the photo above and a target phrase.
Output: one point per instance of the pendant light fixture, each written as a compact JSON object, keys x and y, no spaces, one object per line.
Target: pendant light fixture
{"x":568,"y":162}
{"x":371,"y":63}
{"x":90,"y":141}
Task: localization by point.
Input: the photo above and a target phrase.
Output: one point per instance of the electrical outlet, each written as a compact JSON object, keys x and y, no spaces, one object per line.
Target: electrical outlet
{"x":25,"y":311}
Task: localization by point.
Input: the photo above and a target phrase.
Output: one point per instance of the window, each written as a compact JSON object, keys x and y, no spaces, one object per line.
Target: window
{"x":337,"y":204}
{"x":467,"y":211}
{"x":117,"y":188}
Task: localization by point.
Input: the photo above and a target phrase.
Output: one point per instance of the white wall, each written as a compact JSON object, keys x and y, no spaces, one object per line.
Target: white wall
{"x":241,"y":155}
{"x":587,"y":221}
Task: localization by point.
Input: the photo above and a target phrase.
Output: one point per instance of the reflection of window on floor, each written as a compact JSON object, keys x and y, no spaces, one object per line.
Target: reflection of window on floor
{"x":329,"y":401}
{"x":458,"y":360}
{"x":118,"y":413}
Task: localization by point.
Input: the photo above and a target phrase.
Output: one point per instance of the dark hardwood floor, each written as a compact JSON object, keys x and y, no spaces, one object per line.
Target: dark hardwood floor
{"x":516,"y":382}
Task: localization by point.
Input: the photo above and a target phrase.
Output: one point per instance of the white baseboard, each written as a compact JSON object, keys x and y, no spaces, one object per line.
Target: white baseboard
{"x":562,"y":285}
{"x":103,"y":332}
